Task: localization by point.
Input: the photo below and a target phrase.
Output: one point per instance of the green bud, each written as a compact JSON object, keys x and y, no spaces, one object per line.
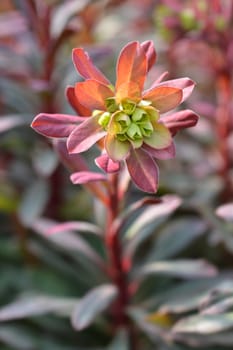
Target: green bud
{"x":123,"y":121}
{"x":146,"y":129}
{"x":104,"y":119}
{"x":138,"y":114}
{"x":127,"y":107}
{"x":111,"y":104}
{"x":134,"y":132}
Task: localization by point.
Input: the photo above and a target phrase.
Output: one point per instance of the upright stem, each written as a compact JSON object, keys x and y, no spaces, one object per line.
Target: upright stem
{"x":223,"y":129}
{"x":118,"y":270}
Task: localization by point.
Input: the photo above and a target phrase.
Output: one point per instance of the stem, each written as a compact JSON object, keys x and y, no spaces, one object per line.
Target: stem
{"x":223,"y":129}
{"x":118,"y":268}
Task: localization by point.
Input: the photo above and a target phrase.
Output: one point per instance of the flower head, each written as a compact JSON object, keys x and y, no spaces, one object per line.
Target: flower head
{"x":125,"y":116}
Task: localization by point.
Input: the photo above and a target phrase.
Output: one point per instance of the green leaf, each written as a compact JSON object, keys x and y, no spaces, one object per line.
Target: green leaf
{"x":92,"y":304}
{"x":176,"y":236}
{"x":33,"y":202}
{"x":16,"y":338}
{"x":120,"y":342}
{"x":67,"y":240}
{"x":179,"y":268}
{"x":191,"y":295}
{"x":148,"y":220}
{"x":45,"y":161}
{"x":204,"y":324}
{"x":10,"y":121}
{"x":28,"y":306}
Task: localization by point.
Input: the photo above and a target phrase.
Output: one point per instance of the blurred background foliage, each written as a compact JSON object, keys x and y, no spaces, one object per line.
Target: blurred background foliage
{"x":183,"y":302}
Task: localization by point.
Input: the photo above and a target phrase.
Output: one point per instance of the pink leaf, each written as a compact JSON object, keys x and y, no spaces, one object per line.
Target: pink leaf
{"x":55,"y":125}
{"x":180,"y":120}
{"x":85,"y":135}
{"x":148,"y":47}
{"x":107,"y":164}
{"x":225,"y":212}
{"x":164,"y":153}
{"x":86,"y":68}
{"x":143,"y":170}
{"x":74,"y":162}
{"x":80,"y":226}
{"x":83,"y":177}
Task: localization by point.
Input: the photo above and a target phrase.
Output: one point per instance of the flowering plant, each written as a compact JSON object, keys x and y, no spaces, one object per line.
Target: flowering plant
{"x":125,"y":121}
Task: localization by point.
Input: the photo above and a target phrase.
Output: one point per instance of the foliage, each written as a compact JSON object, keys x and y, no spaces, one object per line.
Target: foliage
{"x":162,"y":276}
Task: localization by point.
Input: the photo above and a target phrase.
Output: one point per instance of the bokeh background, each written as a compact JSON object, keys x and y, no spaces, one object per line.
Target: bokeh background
{"x":41,"y":276}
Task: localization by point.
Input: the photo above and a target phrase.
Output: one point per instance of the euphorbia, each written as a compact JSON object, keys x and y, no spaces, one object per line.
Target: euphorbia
{"x":127,"y":117}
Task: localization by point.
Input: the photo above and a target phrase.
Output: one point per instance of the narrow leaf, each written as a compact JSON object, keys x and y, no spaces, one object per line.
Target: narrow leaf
{"x":55,"y":125}
{"x":86,"y":68}
{"x":33,"y":202}
{"x":92,"y":304}
{"x":35,"y":305}
{"x":179,"y":268}
{"x":204,"y":324}
{"x":83,"y":177}
{"x":143,"y":170}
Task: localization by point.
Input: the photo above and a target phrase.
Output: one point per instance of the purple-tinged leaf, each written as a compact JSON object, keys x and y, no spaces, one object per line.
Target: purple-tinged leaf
{"x":149,"y":49}
{"x":92,"y":304}
{"x":168,"y":205}
{"x":164,"y":153}
{"x":175,"y":236}
{"x":143,"y":170}
{"x":121,"y":219}
{"x":83,"y":177}
{"x":160,"y":78}
{"x":75,"y":226}
{"x":225,"y":212}
{"x":10,"y":121}
{"x":66,"y":240}
{"x":107,"y":164}
{"x":180,"y":120}
{"x":33,"y":202}
{"x":55,"y":125}
{"x":45,"y":161}
{"x":144,"y":225}
{"x":219,"y":307}
{"x":185,"y":268}
{"x":76,"y":163}
{"x":12,"y":24}
{"x":204,"y":324}
{"x":34,"y":305}
{"x":85,"y":135}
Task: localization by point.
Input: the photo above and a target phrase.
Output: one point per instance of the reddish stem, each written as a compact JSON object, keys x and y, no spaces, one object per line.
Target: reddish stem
{"x":223,"y":129}
{"x":118,"y":269}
